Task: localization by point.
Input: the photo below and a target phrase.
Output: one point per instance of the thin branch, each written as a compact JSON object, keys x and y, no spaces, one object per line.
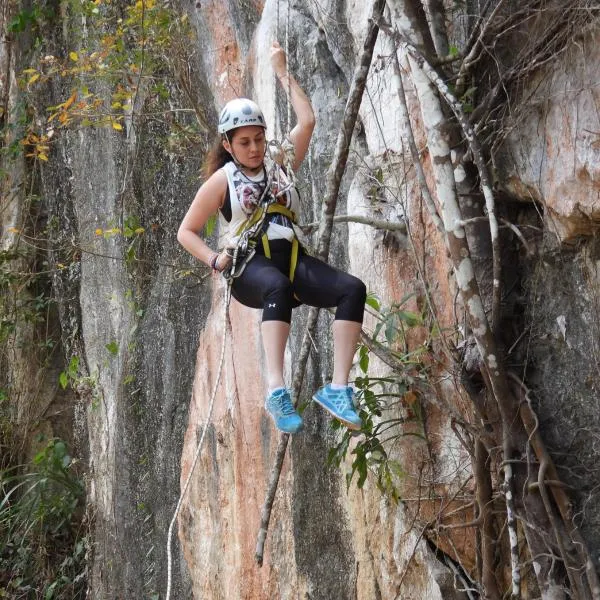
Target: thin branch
{"x":561,"y":499}
{"x":436,"y":17}
{"x":473,"y":56}
{"x":484,"y":175}
{"x":333,"y":182}
{"x":511,"y":524}
{"x":376,"y":223}
{"x":484,"y":504}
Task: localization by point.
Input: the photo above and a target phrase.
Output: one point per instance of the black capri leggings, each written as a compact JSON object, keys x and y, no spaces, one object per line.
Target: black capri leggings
{"x":265,"y":284}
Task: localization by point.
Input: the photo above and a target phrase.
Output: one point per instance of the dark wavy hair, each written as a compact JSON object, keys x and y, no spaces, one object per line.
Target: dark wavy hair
{"x":217,"y":157}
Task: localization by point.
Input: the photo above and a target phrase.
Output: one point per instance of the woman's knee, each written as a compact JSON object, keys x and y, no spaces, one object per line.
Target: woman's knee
{"x":278,"y":301}
{"x":352,"y":304}
{"x":358,"y":289}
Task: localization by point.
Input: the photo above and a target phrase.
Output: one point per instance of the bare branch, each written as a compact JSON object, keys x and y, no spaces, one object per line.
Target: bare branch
{"x":485,"y":178}
{"x":436,"y":15}
{"x":376,"y":223}
{"x":488,"y":536}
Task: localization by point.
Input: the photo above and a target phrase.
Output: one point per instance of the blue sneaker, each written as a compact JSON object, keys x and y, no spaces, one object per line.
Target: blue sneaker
{"x":279,"y":405}
{"x":339,"y":404}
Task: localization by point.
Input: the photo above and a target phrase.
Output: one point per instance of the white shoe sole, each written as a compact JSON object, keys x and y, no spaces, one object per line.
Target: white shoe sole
{"x":348,"y":424}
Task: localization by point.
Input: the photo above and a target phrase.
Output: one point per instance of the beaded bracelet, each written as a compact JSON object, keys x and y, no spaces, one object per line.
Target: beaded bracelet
{"x":213,"y":262}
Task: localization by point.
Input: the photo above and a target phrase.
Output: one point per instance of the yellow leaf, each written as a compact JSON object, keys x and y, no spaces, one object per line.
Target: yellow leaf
{"x":42,"y":157}
{"x":117,"y":126}
{"x":14,"y":230}
{"x":73,"y":56}
{"x":99,"y":232}
{"x":33,"y":78}
{"x":70,"y":100}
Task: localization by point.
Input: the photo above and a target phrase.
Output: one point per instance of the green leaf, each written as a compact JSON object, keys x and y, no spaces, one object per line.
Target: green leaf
{"x":73,"y":367}
{"x":412,"y":319}
{"x":63,"y":380}
{"x":396,"y":468}
{"x":50,"y":591}
{"x":130,"y":254}
{"x":363,"y":362}
{"x":453,"y":51}
{"x":469,"y":93}
{"x":373,"y":301}
{"x":113,"y":348}
{"x":390,"y":329}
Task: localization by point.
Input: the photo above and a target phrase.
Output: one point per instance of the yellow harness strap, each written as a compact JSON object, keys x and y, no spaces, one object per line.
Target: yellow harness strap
{"x":274,"y":208}
{"x":293,"y":258}
{"x":257,"y":214}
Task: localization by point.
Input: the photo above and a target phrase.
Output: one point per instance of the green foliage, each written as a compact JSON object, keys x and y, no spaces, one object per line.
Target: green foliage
{"x":24,"y":19}
{"x":131,"y":232}
{"x":122,"y":44}
{"x":71,"y":375}
{"x":24,"y":300}
{"x":113,"y":348}
{"x":389,"y":406}
{"x":42,"y":503}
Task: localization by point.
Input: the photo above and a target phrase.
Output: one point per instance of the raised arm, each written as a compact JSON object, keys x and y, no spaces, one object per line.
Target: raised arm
{"x":207,"y":202}
{"x":305,"y":117}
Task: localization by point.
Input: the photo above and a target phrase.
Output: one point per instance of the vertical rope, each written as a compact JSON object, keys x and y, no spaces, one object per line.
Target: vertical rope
{"x":277,"y":127}
{"x":198,"y":448}
{"x":288,"y":123}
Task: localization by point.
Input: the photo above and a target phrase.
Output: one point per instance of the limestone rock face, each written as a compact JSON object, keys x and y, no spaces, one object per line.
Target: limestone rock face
{"x":552,"y":151}
{"x":142,"y":410}
{"x":324,"y":541}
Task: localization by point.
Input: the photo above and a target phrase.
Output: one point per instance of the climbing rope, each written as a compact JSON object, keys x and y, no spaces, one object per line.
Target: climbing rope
{"x":199,"y":446}
{"x":287,"y":54}
{"x":288,"y":123}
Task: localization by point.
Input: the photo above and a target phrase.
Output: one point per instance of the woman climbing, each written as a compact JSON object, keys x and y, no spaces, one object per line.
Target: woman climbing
{"x":236,"y":182}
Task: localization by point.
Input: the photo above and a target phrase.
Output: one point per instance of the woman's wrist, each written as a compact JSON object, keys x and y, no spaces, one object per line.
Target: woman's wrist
{"x":214,"y":262}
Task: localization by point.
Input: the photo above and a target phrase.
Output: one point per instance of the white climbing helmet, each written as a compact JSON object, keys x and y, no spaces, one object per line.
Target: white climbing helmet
{"x":238,"y":113}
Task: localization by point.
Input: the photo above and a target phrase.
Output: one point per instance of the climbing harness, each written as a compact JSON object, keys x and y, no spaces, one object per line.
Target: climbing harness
{"x":253,"y":228}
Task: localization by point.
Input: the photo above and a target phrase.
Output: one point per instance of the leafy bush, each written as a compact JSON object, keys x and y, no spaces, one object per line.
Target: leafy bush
{"x":386,"y":404}
{"x":42,"y":553}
